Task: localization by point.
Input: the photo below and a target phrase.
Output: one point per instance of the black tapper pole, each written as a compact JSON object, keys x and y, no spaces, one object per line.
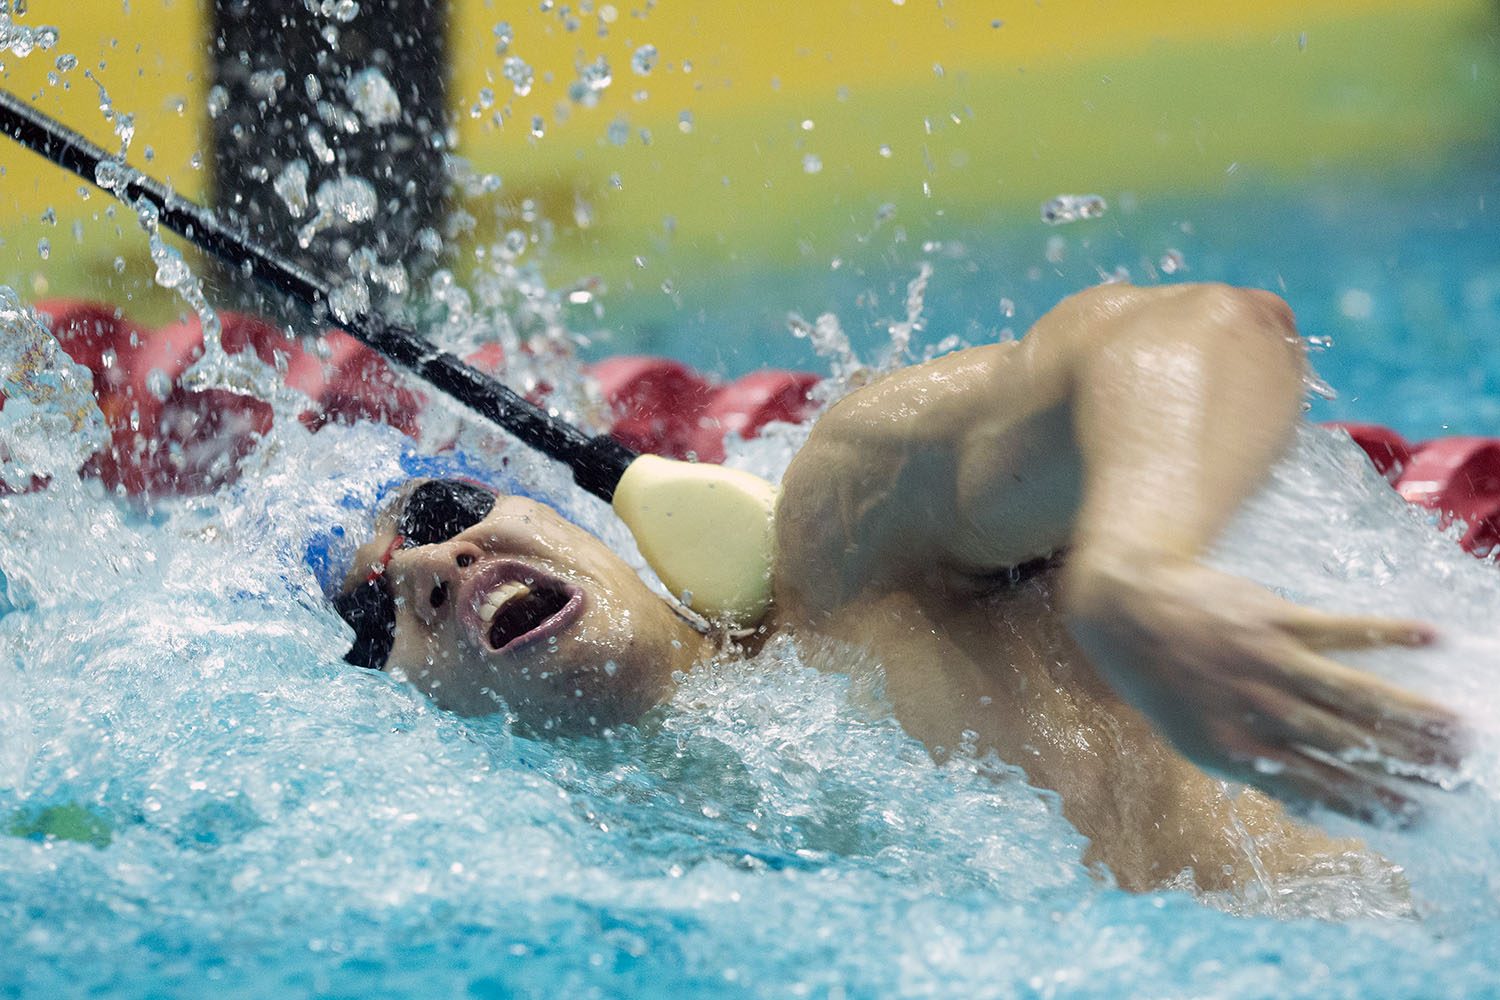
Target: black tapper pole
{"x":597,"y":462}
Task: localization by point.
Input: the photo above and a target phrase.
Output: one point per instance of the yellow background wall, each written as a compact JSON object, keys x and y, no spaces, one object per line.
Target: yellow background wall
{"x":935,"y":109}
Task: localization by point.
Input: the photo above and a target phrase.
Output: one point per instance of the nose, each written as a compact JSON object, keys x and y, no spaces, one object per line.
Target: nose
{"x":428,"y":576}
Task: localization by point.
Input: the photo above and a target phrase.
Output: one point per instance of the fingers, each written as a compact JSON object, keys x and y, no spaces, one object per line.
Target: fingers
{"x":1394,"y":722}
{"x":1305,"y":774}
{"x":1320,"y":631}
{"x":1360,"y":792}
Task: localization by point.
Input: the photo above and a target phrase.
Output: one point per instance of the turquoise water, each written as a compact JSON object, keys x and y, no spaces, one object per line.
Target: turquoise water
{"x":1400,"y":271}
{"x":249,"y":816}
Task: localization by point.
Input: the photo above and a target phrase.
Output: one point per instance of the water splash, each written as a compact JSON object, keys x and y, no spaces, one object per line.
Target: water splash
{"x":344,"y":200}
{"x":519,"y":74}
{"x":291,"y":186}
{"x":21,"y":40}
{"x":50,"y":423}
{"x":372,"y":95}
{"x":1071,"y":208}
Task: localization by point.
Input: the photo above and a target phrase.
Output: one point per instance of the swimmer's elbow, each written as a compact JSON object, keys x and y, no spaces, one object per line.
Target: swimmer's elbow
{"x":1098,"y":322}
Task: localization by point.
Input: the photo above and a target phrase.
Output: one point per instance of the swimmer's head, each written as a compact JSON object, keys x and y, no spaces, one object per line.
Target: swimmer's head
{"x":478,"y":597}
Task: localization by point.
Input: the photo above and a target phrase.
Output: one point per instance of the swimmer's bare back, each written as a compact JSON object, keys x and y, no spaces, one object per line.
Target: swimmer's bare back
{"x":1124,"y":431}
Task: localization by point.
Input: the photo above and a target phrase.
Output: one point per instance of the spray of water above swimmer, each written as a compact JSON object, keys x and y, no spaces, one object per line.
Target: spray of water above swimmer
{"x":705,"y":530}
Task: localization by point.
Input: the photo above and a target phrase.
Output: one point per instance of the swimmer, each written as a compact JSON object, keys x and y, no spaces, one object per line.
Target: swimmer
{"x":1014,"y":533}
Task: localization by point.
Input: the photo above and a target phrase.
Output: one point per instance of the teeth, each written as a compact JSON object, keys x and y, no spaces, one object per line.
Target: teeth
{"x":499,"y":597}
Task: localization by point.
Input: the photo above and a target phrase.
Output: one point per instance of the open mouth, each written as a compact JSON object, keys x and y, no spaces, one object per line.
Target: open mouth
{"x":514,"y":612}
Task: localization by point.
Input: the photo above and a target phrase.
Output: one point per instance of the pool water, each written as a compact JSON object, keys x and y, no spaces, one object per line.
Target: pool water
{"x":200,"y":795}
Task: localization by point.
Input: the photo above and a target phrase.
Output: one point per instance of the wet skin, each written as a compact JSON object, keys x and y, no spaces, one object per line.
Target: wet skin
{"x":1124,"y":430}
{"x":604,"y":657}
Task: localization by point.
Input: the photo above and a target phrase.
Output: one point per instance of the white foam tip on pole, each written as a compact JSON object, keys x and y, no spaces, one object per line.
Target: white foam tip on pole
{"x":706,"y":530}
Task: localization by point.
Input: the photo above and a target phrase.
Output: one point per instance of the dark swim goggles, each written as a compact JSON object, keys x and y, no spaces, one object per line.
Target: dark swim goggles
{"x":435,"y":511}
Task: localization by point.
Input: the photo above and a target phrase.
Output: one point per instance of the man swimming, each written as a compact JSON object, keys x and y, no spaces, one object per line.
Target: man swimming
{"x":1014,"y":533}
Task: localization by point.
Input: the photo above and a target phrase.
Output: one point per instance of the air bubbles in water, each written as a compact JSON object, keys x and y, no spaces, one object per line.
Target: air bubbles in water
{"x":44,"y":248}
{"x":644,"y":60}
{"x":372,"y":95}
{"x":1072,"y":207}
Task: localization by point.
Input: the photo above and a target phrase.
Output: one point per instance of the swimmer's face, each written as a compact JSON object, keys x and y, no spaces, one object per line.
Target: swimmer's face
{"x":526,"y":607}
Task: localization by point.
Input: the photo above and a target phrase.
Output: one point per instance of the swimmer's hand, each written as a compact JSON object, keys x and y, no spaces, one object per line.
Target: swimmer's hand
{"x":1234,"y":676}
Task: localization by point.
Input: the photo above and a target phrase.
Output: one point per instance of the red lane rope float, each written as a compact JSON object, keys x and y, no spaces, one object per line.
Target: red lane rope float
{"x":165,"y":438}
{"x":1459,"y":477}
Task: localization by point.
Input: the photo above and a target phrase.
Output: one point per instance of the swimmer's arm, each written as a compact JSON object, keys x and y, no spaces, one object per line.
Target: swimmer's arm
{"x":1180,"y":404}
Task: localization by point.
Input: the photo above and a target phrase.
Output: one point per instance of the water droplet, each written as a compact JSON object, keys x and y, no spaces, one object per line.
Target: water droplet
{"x":1072,"y":207}
{"x":618,"y":132}
{"x":291,"y":186}
{"x":538,"y":127}
{"x":345,"y":199}
{"x":267,"y":83}
{"x":66,"y":62}
{"x":1356,"y":303}
{"x":685,"y":121}
{"x":119,"y":265}
{"x":319,"y":145}
{"x":1171,"y":262}
{"x":519,"y":74}
{"x":884,"y":151}
{"x":112,"y":175}
{"x":44,"y":248}
{"x":504,"y":35}
{"x":644,"y":60}
{"x":49,"y":216}
{"x":218,"y":100}
{"x":1007,"y":308}
{"x":372,"y":95}
{"x":171,"y":269}
{"x":596,"y":76}
{"x":343,"y":11}
{"x":348,"y":300}
{"x":811,"y":164}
